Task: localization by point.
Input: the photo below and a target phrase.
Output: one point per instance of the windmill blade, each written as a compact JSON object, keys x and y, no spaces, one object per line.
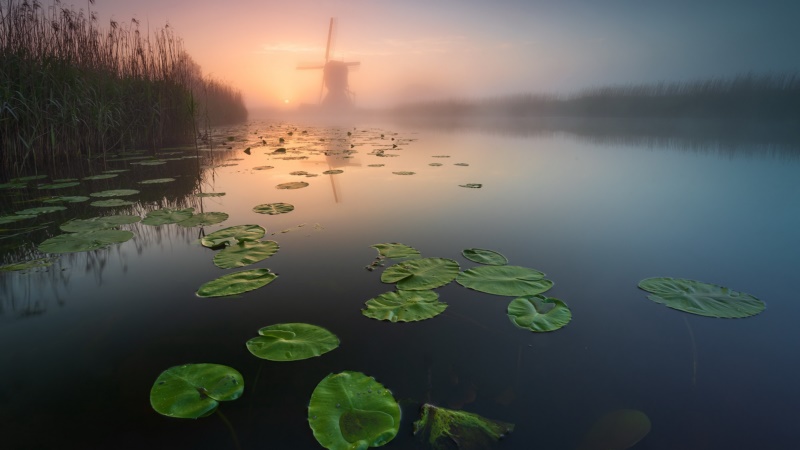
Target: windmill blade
{"x":328,"y":47}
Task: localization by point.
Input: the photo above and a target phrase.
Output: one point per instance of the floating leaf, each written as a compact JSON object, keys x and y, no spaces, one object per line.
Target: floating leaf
{"x":435,"y":164}
{"x":350,"y":410}
{"x":16,"y":217}
{"x":195,"y":390}
{"x":440,"y":156}
{"x":65,"y":180}
{"x":98,"y":223}
{"x":157,"y":181}
{"x":112,"y":202}
{"x":166,"y":216}
{"x":32,"y":264}
{"x":333,"y":172}
{"x":298,"y":172}
{"x":233,"y":235}
{"x":539,"y":313}
{"x":67,"y":199}
{"x":292,"y":185}
{"x":472,"y":185}
{"x":245,"y":253}
{"x":273,"y":208}
{"x":404,"y":173}
{"x":150,"y":163}
{"x":104,"y":176}
{"x":421,"y":274}
{"x":375,"y":165}
{"x":84,"y":241}
{"x":482,"y":256}
{"x":40,"y":210}
{"x":58,"y":185}
{"x":404,"y":306}
{"x":396,"y":250}
{"x":236,"y":283}
{"x":13,"y":185}
{"x":446,"y":429}
{"x":461,"y":164}
{"x":203,"y":219}
{"x":617,"y":430}
{"x":210,"y":194}
{"x":115,"y":193}
{"x":263,"y":168}
{"x":701,"y":298}
{"x":292,"y":342}
{"x":116,"y":171}
{"x":504,"y":280}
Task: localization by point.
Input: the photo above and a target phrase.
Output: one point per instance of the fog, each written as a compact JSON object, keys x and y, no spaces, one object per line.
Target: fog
{"x":423,"y":50}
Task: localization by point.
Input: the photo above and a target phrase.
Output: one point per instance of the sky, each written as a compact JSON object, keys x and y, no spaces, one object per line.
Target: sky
{"x":417,"y":50}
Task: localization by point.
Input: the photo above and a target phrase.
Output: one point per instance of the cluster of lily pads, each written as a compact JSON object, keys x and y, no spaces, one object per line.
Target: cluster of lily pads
{"x":416,"y":278}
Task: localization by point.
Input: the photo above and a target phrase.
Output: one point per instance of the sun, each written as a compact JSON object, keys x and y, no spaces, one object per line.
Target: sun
{"x":286,"y":101}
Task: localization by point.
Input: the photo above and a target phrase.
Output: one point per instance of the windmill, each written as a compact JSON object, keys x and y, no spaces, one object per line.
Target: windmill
{"x":334,"y":76}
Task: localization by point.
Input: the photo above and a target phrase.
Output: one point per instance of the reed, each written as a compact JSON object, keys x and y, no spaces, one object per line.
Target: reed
{"x":72,"y":89}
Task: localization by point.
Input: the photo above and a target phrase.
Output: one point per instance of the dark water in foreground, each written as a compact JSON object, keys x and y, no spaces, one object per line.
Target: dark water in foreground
{"x":82,"y":342}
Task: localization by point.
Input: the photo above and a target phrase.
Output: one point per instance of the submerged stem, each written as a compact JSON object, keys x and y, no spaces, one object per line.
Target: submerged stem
{"x":230,"y":429}
{"x":694,"y":352}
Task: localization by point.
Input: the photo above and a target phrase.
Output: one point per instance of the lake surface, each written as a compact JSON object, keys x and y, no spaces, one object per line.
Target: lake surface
{"x":84,"y":339}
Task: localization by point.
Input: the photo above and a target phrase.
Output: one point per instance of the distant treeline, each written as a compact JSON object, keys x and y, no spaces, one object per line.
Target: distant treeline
{"x":758,"y":97}
{"x":70,"y":88}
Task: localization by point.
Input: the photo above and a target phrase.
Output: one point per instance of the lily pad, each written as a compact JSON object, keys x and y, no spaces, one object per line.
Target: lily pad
{"x":700,"y":298}
{"x":195,"y":390}
{"x":375,"y":165}
{"x":236,"y":283}
{"x":233,"y":235}
{"x":617,"y":430}
{"x":202,"y":219}
{"x":396,"y":250}
{"x":505,"y":280}
{"x":115,"y":193}
{"x":404,"y":306}
{"x":84,"y":241}
{"x":28,"y":178}
{"x":67,"y":199}
{"x":539,"y":313}
{"x":166,"y":216}
{"x":32,"y":264}
{"x":157,"y":181}
{"x":263,"y":168}
{"x":350,"y":410}
{"x":210,"y":194}
{"x":482,"y":256}
{"x":150,"y":163}
{"x":16,"y":217}
{"x":472,"y":185}
{"x":446,"y":429}
{"x":403,"y":172}
{"x":13,"y":185}
{"x":461,"y":164}
{"x":333,"y":172}
{"x":58,"y":185}
{"x":104,"y":176}
{"x":97,"y":223}
{"x":244,"y":254}
{"x":292,"y":342}
{"x":40,"y":210}
{"x":421,"y":274}
{"x":435,"y":164}
{"x":292,"y":185}
{"x":273,"y":208}
{"x":111,"y":203}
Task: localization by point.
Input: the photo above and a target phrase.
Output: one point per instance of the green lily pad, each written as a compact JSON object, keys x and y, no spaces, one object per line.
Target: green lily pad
{"x":166,"y":216}
{"x":701,"y":298}
{"x":292,"y":185}
{"x":395,"y":250}
{"x":245,"y":253}
{"x":16,"y":217}
{"x":403,"y":172}
{"x":292,"y":342}
{"x":65,"y":180}
{"x":104,"y":176}
{"x":202,"y":219}
{"x":98,"y":223}
{"x":333,"y":172}
{"x":539,"y":313}
{"x":619,"y":430}
{"x":404,"y":306}
{"x":40,"y":210}
{"x":67,"y":199}
{"x":28,"y":178}
{"x":487,"y":257}
{"x":111,"y":203}
{"x":505,"y":280}
{"x":472,"y":185}
{"x":150,"y":163}
{"x":447,"y":429}
{"x":209,"y":194}
{"x":117,"y":171}
{"x":236,"y":283}
{"x":84,"y":241}
{"x":421,"y":274}
{"x":195,"y":390}
{"x":157,"y":181}
{"x":273,"y":208}
{"x":32,"y":264}
{"x":233,"y":235}
{"x":13,"y":185}
{"x":115,"y":193}
{"x":350,"y":410}
{"x":58,"y":185}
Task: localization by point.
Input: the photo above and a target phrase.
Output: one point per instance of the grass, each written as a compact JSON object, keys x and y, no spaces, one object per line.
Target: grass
{"x":72,"y":89}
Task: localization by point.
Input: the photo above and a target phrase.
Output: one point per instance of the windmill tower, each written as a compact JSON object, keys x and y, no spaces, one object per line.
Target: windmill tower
{"x":334,"y":76}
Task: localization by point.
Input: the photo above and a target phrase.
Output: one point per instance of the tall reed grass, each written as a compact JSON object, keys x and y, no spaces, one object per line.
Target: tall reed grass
{"x":70,"y":88}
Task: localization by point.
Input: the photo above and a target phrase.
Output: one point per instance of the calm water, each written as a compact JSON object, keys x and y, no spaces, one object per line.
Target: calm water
{"x":83,"y":341}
